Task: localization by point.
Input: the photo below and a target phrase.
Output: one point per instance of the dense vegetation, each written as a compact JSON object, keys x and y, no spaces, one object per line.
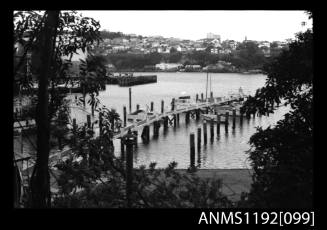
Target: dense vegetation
{"x":282,"y":156}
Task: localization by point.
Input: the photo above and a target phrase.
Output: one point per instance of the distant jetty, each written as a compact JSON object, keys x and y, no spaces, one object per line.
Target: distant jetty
{"x":130,"y":80}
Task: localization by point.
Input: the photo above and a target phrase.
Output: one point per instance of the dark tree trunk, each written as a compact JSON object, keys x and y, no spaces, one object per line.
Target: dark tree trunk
{"x":40,"y":181}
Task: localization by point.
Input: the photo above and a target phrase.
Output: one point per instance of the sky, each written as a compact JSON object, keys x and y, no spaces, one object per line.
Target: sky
{"x":193,"y":25}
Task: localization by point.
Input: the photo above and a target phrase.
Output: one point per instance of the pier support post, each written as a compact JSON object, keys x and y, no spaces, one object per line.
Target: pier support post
{"x":162,"y":106}
{"x":205,"y":132}
{"x":197,"y":114}
{"x":197,"y":98}
{"x":226,"y":121}
{"x":211,"y":130}
{"x":146,"y":134}
{"x":124,"y":116}
{"x":241,"y":118}
{"x":187,"y":117}
{"x":192,"y":150}
{"x":155,"y":129}
{"x":130,"y":100}
{"x":211,"y":96}
{"x":151,"y":106}
{"x":165,"y":123}
{"x":234,"y":117}
{"x":129,"y":140}
{"x":218,"y":124}
{"x":173,"y":104}
{"x":199,"y":139}
{"x":137,"y":107}
{"x":201,"y":97}
{"x":175,"y":120}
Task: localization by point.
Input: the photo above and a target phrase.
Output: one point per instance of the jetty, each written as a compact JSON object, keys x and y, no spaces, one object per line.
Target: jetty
{"x":130,"y":80}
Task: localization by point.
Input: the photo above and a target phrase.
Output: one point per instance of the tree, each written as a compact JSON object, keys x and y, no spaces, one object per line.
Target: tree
{"x":52,"y":36}
{"x":282,"y":158}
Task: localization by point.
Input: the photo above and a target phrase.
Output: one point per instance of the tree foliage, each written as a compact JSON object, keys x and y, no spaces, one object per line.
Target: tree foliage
{"x":282,"y":156}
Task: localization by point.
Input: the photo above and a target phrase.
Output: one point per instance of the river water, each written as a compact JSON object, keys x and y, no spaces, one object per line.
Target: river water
{"x":228,"y":151}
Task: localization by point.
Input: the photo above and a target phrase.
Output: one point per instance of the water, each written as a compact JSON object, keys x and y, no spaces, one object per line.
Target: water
{"x":226,"y":151}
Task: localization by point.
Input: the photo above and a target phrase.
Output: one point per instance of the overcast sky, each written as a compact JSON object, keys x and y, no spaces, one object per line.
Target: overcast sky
{"x":256,"y":25}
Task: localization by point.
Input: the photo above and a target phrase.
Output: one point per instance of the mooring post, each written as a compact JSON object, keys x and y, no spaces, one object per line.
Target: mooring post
{"x":201,"y":97}
{"x":226,"y":121}
{"x":88,"y":118}
{"x":173,"y":104}
{"x":205,"y":132}
{"x":218,"y":124}
{"x":211,"y":96}
{"x":234,"y":117}
{"x":146,"y":134}
{"x":129,"y":140}
{"x":124,"y":116}
{"x":199,"y":139}
{"x":177,"y":118}
{"x":196,"y":97}
{"x":130,"y":100}
{"x":211,"y":130}
{"x":151,"y":106}
{"x":241,"y":118}
{"x":137,"y":107}
{"x":162,"y":106}
{"x":192,"y":150}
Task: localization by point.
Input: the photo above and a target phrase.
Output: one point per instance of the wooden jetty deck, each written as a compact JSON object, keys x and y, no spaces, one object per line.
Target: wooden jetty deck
{"x":199,"y":106}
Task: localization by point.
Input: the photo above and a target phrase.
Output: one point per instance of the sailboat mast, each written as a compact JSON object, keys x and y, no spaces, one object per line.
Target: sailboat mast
{"x":207,"y":87}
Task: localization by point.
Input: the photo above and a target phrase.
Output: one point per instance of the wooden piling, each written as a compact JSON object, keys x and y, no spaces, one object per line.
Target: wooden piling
{"x":187,"y":117}
{"x":165,"y":123}
{"x":211,"y":96}
{"x":211,"y":130}
{"x":130,"y":100}
{"x":201,"y":97}
{"x":197,"y":114}
{"x":173,"y":104}
{"x":129,"y":167}
{"x":162,"y":106}
{"x":234,"y":117}
{"x":175,"y":120}
{"x":192,"y":150}
{"x":146,"y":134}
{"x":137,"y":107}
{"x":204,"y":132}
{"x":199,"y":139}
{"x":241,"y":118}
{"x":218,"y":124}
{"x":226,"y":121}
{"x":125,"y":116}
{"x":151,"y":109}
{"x":197,"y":98}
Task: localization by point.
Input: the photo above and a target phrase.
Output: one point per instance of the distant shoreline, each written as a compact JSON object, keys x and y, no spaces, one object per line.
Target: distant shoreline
{"x":165,"y":71}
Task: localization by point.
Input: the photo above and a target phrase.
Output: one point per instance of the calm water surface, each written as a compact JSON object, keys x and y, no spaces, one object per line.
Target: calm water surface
{"x":226,"y":151}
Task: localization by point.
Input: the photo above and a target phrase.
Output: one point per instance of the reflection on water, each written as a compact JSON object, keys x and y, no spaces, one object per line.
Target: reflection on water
{"x":225,"y":151}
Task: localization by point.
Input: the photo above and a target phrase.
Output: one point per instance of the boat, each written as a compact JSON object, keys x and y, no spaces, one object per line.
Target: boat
{"x":140,"y":115}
